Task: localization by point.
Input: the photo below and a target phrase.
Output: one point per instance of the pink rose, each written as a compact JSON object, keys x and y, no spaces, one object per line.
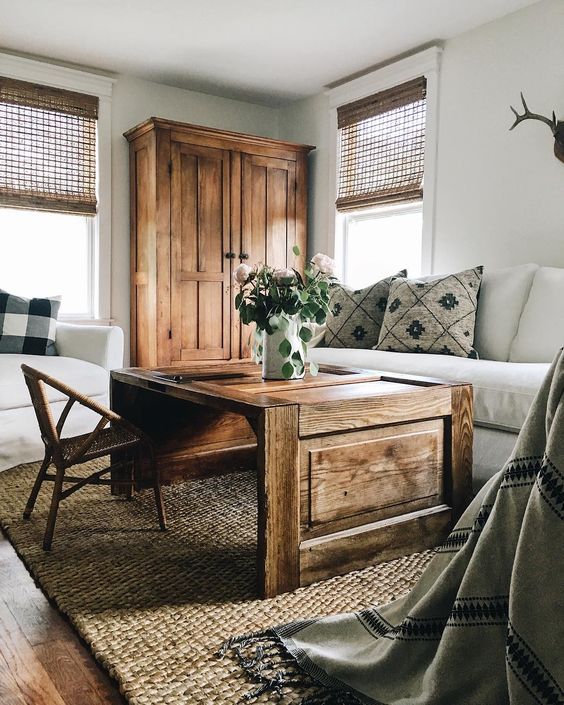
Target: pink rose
{"x":241,"y":274}
{"x":324,"y":263}
{"x":284,"y":276}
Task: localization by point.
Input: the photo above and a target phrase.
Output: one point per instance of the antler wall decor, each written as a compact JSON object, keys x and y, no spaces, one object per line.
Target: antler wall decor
{"x":556,"y":127}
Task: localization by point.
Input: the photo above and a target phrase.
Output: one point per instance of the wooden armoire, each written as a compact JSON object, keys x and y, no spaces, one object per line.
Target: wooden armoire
{"x":202,"y":201}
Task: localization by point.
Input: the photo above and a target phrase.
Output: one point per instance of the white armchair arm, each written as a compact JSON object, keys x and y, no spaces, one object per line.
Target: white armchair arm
{"x":101,"y":345}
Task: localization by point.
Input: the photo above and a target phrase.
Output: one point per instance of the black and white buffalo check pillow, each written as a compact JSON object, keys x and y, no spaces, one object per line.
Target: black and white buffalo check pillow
{"x":27,"y":326}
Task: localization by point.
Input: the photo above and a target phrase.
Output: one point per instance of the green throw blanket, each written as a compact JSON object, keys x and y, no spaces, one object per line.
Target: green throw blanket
{"x":485,"y":623}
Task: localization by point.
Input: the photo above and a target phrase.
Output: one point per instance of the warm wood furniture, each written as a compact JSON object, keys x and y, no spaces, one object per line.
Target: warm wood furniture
{"x":203,"y":200}
{"x":64,"y":453}
{"x":354,"y":467}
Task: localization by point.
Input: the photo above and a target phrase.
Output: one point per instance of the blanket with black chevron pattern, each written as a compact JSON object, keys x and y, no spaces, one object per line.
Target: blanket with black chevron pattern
{"x":483,"y":626}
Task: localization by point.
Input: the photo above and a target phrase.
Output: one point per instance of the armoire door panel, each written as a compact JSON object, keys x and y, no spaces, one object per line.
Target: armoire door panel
{"x":189,"y":329}
{"x":200,"y":272}
{"x":188,"y":175}
{"x":277,"y":216}
{"x":253,"y":239}
{"x":211,"y":248}
{"x":268,"y":217}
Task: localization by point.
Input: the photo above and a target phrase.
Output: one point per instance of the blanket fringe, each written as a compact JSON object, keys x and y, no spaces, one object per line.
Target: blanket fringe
{"x":267,"y":663}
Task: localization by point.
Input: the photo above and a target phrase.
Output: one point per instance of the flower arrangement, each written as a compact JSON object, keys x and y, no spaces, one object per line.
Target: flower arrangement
{"x":278,"y":300}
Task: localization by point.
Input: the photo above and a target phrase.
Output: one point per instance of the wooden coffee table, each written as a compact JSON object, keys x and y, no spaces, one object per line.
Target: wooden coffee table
{"x":354,"y":466}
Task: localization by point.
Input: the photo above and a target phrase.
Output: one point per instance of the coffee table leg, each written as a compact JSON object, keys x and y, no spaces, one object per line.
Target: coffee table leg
{"x":278,"y":567}
{"x":461,"y":449}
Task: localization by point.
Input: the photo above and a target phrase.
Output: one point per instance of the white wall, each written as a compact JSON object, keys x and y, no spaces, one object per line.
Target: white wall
{"x":135,"y":100}
{"x":307,"y":121}
{"x":500,"y":194}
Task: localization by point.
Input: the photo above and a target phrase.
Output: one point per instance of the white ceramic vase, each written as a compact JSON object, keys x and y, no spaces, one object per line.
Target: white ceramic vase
{"x":272,"y":359}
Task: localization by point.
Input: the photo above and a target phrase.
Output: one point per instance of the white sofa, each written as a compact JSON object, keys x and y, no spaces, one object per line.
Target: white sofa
{"x":519,"y":329}
{"x":86,"y":354}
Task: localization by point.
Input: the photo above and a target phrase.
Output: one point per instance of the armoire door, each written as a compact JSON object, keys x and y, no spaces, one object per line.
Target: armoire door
{"x":268,"y":217}
{"x":200,"y":241}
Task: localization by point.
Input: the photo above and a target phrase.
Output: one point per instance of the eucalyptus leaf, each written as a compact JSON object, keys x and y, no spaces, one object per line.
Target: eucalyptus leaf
{"x":287,"y":370}
{"x":297,"y":357}
{"x":304,"y":296}
{"x":285,"y":348}
{"x":296,"y":250}
{"x":320,"y":317}
{"x":313,"y":368}
{"x":274,"y":322}
{"x":305,"y":334}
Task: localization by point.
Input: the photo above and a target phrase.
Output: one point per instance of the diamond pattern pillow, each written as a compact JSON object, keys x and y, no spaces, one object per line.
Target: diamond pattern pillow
{"x":27,"y":326}
{"x":432,"y":316}
{"x":355,"y":316}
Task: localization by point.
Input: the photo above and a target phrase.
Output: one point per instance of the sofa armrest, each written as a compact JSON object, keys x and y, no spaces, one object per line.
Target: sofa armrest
{"x":101,"y":345}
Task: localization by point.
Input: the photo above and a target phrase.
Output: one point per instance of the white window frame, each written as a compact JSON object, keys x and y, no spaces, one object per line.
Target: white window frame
{"x":425,"y":63}
{"x":47,"y":74}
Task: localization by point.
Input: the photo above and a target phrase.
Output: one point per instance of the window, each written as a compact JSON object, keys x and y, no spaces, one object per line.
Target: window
{"x":382,"y":148}
{"x":48,"y":254}
{"x":381,"y":241}
{"x":383,"y":166}
{"x":55,"y":181}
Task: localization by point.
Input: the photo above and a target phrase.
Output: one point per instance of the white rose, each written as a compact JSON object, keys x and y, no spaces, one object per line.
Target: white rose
{"x":241,"y":274}
{"x":324,"y":263}
{"x":283,"y":276}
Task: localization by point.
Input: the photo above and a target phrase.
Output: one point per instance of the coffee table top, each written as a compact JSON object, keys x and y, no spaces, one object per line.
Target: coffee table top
{"x":238,"y":387}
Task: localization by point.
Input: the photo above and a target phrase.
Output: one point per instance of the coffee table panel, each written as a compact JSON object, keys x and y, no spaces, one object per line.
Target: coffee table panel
{"x":353,"y":476}
{"x":373,"y":543}
{"x":366,"y":409}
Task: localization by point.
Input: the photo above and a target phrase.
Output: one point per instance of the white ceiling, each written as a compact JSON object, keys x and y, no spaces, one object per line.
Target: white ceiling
{"x":266,"y":51}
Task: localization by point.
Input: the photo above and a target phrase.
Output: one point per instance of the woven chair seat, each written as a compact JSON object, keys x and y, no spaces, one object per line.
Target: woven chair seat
{"x":112,"y":438}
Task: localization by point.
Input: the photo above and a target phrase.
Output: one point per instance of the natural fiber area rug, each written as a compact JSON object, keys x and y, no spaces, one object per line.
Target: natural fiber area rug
{"x":155,"y":607}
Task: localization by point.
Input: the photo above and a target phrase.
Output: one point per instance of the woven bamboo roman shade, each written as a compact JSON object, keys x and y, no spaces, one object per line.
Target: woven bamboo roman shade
{"x":47,"y":148}
{"x":382,"y":147}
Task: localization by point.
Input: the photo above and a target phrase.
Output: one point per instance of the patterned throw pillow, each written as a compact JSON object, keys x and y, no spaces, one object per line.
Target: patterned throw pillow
{"x":432,"y":316}
{"x":28,"y":325}
{"x":355,"y":316}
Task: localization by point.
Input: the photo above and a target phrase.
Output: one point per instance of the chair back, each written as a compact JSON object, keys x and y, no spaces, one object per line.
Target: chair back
{"x":35,"y":381}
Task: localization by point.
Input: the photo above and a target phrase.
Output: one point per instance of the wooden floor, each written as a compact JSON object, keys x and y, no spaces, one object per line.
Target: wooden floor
{"x":42,"y":660}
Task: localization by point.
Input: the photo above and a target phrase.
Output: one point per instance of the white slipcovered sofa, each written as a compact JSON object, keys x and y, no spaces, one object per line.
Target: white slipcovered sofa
{"x":86,"y":354}
{"x":519,"y":329}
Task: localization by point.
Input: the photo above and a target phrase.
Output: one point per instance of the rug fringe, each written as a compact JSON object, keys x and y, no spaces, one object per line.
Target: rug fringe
{"x":267,"y":662}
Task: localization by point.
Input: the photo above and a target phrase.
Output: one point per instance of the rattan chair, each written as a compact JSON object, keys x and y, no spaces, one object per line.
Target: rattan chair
{"x":63,"y":453}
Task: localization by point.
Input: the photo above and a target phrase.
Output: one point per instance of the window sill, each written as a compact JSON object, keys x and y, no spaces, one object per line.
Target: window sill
{"x":87,"y":321}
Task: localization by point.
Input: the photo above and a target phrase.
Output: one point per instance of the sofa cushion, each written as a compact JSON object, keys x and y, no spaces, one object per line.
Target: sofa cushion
{"x":436,"y":315}
{"x":355,"y":315}
{"x":502,"y":297}
{"x":541,"y":328}
{"x":28,"y":326}
{"x":87,"y":378}
{"x":503,"y":391}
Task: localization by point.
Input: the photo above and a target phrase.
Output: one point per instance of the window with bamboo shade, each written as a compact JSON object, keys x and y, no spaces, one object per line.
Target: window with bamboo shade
{"x":47,"y":148}
{"x":382,"y":148}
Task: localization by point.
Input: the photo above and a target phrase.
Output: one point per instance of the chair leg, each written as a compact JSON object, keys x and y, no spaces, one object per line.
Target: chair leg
{"x":129,"y":466}
{"x":37,"y":485}
{"x":158,"y":491}
{"x":54,"y":508}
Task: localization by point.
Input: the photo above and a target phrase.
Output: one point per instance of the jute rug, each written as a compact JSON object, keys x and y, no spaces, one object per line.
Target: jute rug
{"x":155,"y":607}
